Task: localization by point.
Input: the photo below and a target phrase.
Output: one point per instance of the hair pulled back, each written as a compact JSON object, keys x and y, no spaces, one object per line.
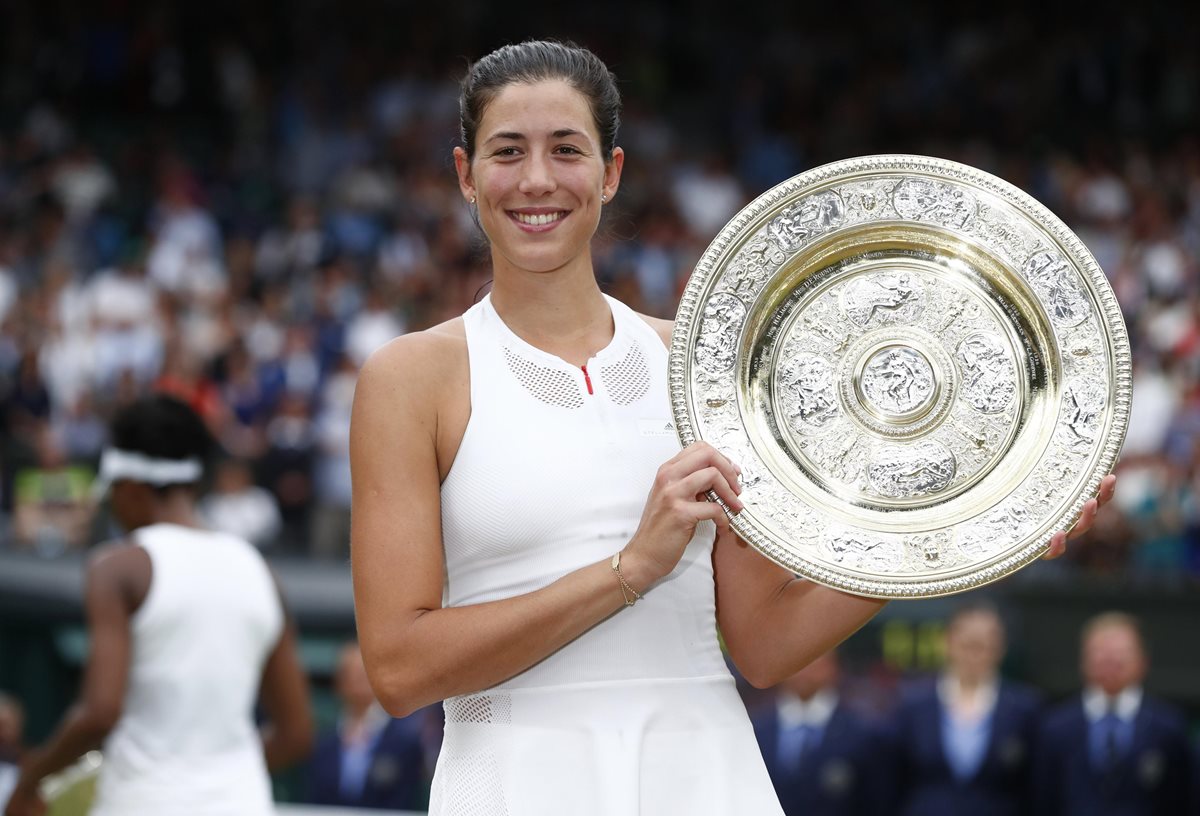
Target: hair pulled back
{"x":535,"y":61}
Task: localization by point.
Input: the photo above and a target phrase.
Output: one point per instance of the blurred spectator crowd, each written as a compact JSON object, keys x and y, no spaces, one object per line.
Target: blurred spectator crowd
{"x":239,"y":207}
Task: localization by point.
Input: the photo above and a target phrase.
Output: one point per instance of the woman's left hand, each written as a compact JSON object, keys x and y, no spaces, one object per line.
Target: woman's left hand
{"x":1058,"y":543}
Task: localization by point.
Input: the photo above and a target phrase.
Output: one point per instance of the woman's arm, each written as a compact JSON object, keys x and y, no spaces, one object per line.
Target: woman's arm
{"x":417,"y":652}
{"x":774,"y":624}
{"x":289,"y":734}
{"x":115,"y":585}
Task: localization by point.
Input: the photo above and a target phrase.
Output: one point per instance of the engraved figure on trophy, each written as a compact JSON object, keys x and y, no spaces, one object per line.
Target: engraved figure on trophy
{"x":809,"y":397}
{"x":841,"y":457}
{"x":989,"y":381}
{"x":897,"y":380}
{"x":930,"y":550}
{"x":996,"y":531}
{"x":1083,"y":405}
{"x":911,"y":471}
{"x":812,"y":216}
{"x":716,"y":347}
{"x":1054,"y":280}
{"x":857,"y":552}
{"x":923,"y":200}
{"x":754,"y":263}
{"x":893,"y":297}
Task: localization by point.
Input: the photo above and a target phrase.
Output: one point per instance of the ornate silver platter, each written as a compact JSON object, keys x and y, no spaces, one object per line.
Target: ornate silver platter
{"x":921,"y":371}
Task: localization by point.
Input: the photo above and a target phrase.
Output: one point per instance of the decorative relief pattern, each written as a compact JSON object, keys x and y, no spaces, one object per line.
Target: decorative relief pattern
{"x":917,"y":470}
{"x":989,"y":376}
{"x":897,"y":384}
{"x":1056,"y":282}
{"x":1083,"y":410}
{"x":898,"y":380}
{"x":925,"y":200}
{"x":884,"y":298}
{"x":884,"y":441}
{"x":813,"y":215}
{"x":806,"y":382}
{"x":723,"y":318}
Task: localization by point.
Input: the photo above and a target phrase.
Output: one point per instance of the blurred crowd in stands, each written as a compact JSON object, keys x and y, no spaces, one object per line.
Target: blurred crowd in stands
{"x":239,"y":207}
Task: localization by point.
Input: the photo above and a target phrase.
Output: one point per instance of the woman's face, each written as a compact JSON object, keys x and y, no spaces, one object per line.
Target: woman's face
{"x":538,"y":175}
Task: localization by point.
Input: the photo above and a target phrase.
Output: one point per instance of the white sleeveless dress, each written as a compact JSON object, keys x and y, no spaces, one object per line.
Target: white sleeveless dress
{"x":186,"y":741}
{"x":639,"y":715}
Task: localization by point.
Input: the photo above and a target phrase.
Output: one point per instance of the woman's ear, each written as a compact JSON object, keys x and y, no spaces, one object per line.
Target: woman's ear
{"x":612,"y":174}
{"x":462,"y":166}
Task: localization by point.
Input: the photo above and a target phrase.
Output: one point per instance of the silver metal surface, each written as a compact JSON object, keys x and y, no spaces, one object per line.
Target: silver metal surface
{"x":921,"y":371}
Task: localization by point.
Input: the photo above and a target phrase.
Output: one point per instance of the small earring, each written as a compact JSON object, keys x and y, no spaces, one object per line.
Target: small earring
{"x":472,"y":199}
{"x":603,"y":198}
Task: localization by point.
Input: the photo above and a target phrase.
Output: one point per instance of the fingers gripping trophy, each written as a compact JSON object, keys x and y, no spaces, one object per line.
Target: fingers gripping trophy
{"x":921,"y":371}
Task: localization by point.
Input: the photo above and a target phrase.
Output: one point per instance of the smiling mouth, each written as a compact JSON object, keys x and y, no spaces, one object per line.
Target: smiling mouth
{"x":539,"y":219}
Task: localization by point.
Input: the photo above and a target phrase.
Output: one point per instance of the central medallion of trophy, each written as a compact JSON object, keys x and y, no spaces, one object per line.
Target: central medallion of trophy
{"x":895,"y":383}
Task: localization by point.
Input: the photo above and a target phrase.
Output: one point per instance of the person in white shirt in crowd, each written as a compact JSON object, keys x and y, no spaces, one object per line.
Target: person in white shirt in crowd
{"x":241,"y":508}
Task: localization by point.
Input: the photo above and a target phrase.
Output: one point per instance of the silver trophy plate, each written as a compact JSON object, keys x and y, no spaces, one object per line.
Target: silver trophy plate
{"x":921,"y":371}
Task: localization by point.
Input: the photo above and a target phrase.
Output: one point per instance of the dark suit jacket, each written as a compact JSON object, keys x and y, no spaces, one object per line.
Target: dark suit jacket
{"x":1001,"y":786}
{"x":1151,"y":779}
{"x":840,"y":777}
{"x":395,"y":779}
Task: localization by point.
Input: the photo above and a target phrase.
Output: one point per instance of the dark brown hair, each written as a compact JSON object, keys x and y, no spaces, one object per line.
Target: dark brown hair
{"x":536,"y":61}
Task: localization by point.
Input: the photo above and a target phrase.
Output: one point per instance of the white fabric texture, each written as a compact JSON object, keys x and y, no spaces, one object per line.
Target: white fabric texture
{"x":186,"y":741}
{"x":640,"y":713}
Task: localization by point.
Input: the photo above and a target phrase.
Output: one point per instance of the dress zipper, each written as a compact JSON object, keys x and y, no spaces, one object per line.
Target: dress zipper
{"x":587,"y":379}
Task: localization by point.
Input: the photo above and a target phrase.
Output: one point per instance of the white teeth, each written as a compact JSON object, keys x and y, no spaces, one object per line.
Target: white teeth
{"x":538,"y":220}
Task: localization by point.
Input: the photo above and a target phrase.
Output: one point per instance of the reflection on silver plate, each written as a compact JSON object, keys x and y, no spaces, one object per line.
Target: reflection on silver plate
{"x":921,"y":371}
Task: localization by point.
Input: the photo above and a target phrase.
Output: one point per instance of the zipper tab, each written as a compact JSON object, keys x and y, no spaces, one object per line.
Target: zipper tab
{"x":587,"y":379}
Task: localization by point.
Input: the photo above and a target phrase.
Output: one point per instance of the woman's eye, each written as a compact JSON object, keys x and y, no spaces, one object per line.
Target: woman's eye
{"x":505,"y":151}
{"x":568,"y":149}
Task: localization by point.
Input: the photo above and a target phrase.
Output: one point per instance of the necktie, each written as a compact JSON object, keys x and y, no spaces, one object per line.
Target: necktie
{"x":795,"y":744}
{"x":1106,"y":742}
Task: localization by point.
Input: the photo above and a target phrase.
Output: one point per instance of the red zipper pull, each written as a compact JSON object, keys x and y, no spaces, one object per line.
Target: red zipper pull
{"x":587,"y":379}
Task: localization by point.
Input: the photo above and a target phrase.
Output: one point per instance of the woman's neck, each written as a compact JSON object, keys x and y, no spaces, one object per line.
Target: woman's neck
{"x":561,"y":312}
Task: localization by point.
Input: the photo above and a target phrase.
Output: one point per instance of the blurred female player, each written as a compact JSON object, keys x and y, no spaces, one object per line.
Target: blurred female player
{"x":186,"y":627}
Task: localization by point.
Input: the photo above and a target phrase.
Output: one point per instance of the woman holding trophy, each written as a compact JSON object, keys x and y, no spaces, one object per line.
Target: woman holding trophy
{"x":529,"y":542}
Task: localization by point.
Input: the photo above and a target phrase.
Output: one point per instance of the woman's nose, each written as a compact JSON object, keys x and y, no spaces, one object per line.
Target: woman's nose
{"x":538,"y":175}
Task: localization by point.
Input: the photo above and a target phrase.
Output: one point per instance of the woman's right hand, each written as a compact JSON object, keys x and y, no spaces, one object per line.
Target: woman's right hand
{"x":677,"y":503}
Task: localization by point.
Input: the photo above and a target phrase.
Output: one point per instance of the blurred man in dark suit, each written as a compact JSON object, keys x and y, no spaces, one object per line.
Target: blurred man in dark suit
{"x":965,"y":741}
{"x":822,"y":757}
{"x":370,"y":760}
{"x":1114,"y":750}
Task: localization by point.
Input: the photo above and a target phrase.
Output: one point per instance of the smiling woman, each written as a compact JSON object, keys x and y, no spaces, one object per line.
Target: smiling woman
{"x":530,"y":544}
{"x":541,"y":169}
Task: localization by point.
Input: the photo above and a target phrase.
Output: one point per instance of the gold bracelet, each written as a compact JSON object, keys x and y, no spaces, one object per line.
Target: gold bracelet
{"x":626,"y":589}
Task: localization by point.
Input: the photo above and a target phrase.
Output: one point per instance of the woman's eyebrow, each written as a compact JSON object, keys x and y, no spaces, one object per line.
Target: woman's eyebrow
{"x":505,"y":135}
{"x":512,"y":135}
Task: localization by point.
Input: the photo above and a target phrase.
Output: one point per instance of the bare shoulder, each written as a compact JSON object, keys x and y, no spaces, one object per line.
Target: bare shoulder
{"x":417,"y":364}
{"x":120,"y":567}
{"x":661,"y":326}
{"x":114,"y":557}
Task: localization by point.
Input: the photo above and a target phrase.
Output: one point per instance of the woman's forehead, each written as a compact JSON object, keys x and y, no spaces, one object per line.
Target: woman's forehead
{"x":537,"y":109}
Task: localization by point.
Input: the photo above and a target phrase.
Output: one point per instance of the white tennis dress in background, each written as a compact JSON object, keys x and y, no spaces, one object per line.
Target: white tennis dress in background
{"x":639,"y":714}
{"x":186,"y":741}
